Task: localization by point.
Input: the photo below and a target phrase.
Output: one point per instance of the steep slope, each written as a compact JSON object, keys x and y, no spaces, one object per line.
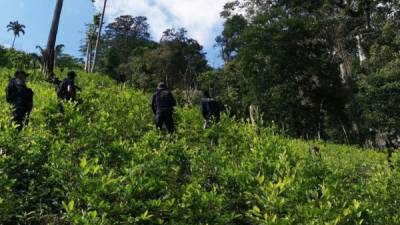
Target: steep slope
{"x":102,"y":162}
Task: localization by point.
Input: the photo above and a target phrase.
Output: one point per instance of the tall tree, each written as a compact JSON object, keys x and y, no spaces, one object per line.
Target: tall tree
{"x":17,"y":29}
{"x":185,"y":59}
{"x":121,"y":38}
{"x":284,"y":63}
{"x":98,"y":36}
{"x":177,"y":60}
{"x":87,"y":48}
{"x":51,"y":42}
{"x":228,"y":40}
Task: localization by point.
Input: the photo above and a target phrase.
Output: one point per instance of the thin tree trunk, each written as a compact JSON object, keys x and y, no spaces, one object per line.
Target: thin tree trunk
{"x":87,"y":57}
{"x":361,"y":52}
{"x":15,"y":37}
{"x":345,"y":133}
{"x":49,"y":52}
{"x":55,"y":58}
{"x":367,"y":12}
{"x":98,"y":36}
{"x":253,"y":109}
{"x":345,"y":66}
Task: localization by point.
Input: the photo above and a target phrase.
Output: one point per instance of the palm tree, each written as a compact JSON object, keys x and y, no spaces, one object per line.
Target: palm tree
{"x":51,"y":42}
{"x":40,"y":57}
{"x":41,"y":50}
{"x":57,"y":52}
{"x":36,"y":60}
{"x":98,"y":35}
{"x":17,"y":28}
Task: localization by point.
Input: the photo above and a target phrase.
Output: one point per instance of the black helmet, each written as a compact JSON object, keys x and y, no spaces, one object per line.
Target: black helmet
{"x":71,"y":74}
{"x":20,"y":73}
{"x":161,"y":86}
{"x":206,"y":94}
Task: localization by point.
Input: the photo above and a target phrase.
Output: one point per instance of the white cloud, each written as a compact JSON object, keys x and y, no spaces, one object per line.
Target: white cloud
{"x":200,"y":17}
{"x":5,"y":45}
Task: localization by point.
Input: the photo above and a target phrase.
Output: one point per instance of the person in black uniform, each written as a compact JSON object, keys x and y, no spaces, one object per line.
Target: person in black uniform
{"x":163,"y":104}
{"x":210,"y":109}
{"x":20,"y":97}
{"x":67,"y":90}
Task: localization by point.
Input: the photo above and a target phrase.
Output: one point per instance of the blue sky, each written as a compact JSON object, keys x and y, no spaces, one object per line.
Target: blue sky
{"x":199,"y":17}
{"x":36,"y":15}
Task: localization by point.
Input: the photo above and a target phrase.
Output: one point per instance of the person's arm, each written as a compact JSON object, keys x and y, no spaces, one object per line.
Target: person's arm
{"x":30,"y":100}
{"x":203,"y":108}
{"x":153,"y":104}
{"x":221,"y":107}
{"x":10,"y":95}
{"x":73,"y":82}
{"x":59,"y":88}
{"x":173,"y":101}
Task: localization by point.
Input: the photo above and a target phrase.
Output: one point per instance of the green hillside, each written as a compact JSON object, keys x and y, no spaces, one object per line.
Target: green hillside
{"x":103,"y":162}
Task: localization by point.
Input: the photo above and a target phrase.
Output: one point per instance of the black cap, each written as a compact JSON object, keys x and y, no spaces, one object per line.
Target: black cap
{"x":19,"y":73}
{"x":162,"y":86}
{"x":206,"y":94}
{"x":71,"y":74}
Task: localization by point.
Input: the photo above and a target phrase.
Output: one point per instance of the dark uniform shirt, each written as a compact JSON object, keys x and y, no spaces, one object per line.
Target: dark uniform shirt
{"x":163,"y":101}
{"x":67,"y":90}
{"x":162,"y":105}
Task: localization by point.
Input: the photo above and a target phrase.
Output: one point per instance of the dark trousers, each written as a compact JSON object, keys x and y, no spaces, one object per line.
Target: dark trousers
{"x":165,"y":117}
{"x":60,"y":107}
{"x":209,"y":121}
{"x":19,"y":118}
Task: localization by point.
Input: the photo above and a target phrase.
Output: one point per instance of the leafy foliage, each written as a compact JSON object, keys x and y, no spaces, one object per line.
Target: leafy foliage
{"x":130,"y":56}
{"x":10,"y":58}
{"x":304,"y":62}
{"x":379,"y":101}
{"x":103,"y":162}
{"x":177,"y":59}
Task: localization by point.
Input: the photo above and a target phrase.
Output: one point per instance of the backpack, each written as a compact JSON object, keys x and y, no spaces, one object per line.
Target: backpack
{"x":213,"y":108}
{"x":19,"y":95}
{"x":164,"y":100}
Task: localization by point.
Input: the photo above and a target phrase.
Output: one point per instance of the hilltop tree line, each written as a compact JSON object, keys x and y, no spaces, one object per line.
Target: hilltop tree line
{"x":128,"y":54}
{"x":11,"y":58}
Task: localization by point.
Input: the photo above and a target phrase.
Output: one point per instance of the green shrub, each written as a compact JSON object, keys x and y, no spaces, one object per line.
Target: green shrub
{"x":103,"y":162}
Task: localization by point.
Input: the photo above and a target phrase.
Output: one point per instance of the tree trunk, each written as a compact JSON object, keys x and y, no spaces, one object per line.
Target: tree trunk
{"x":12,"y":46}
{"x":98,"y":37}
{"x":345,"y":65}
{"x":367,"y":12}
{"x":55,"y":58}
{"x":89,"y":58}
{"x":361,"y":51}
{"x":51,"y":42}
{"x":254,"y":115}
{"x":87,"y":64}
